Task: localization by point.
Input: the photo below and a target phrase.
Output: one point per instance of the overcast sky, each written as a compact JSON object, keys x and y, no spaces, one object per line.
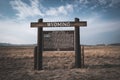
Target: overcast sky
{"x":102,"y":16}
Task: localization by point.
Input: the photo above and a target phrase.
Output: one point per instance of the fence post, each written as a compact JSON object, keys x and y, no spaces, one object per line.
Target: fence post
{"x":77,"y":46}
{"x":83,"y":63}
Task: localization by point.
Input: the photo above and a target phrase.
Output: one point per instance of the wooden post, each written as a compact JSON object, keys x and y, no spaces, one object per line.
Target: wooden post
{"x":35,"y":58}
{"x":82,"y":53}
{"x":77,"y":46}
{"x":39,"y":46}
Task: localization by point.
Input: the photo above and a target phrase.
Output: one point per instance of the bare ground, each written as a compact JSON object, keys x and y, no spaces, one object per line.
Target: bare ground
{"x":101,"y":63}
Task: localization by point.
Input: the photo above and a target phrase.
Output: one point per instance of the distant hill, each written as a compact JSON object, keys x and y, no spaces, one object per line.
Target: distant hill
{"x":100,"y":44}
{"x":5,"y":44}
{"x":9,"y":44}
{"x":114,"y":44}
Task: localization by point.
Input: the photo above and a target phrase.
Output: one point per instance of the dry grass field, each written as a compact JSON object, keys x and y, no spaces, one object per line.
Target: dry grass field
{"x":101,"y":63}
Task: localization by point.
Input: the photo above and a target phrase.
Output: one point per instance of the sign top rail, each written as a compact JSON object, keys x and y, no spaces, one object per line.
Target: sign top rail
{"x":59,"y":24}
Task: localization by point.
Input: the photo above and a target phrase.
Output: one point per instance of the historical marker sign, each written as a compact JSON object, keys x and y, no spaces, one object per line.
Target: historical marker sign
{"x":66,"y":42}
{"x":58,"y":40}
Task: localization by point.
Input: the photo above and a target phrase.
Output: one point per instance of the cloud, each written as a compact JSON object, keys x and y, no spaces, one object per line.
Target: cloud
{"x":14,"y":32}
{"x":101,"y":2}
{"x":37,"y":9}
{"x":24,"y":10}
{"x":1,"y":15}
{"x":83,"y":1}
{"x":60,"y":10}
{"x":100,"y":31}
{"x":21,"y":33}
{"x":114,"y":3}
{"x":94,"y":4}
{"x":97,"y":26}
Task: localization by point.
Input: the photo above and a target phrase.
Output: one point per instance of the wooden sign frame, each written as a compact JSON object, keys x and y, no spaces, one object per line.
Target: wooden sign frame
{"x":39,"y":49}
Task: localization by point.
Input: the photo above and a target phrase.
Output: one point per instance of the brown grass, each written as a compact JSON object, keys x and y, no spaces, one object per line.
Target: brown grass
{"x":101,"y":63}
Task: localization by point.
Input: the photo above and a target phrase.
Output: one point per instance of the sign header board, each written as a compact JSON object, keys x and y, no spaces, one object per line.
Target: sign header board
{"x":58,"y":24}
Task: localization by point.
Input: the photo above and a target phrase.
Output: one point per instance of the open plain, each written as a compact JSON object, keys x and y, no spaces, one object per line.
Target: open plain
{"x":100,"y":63}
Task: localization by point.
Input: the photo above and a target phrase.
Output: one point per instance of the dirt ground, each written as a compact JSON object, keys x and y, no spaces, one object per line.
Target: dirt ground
{"x":101,"y":63}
